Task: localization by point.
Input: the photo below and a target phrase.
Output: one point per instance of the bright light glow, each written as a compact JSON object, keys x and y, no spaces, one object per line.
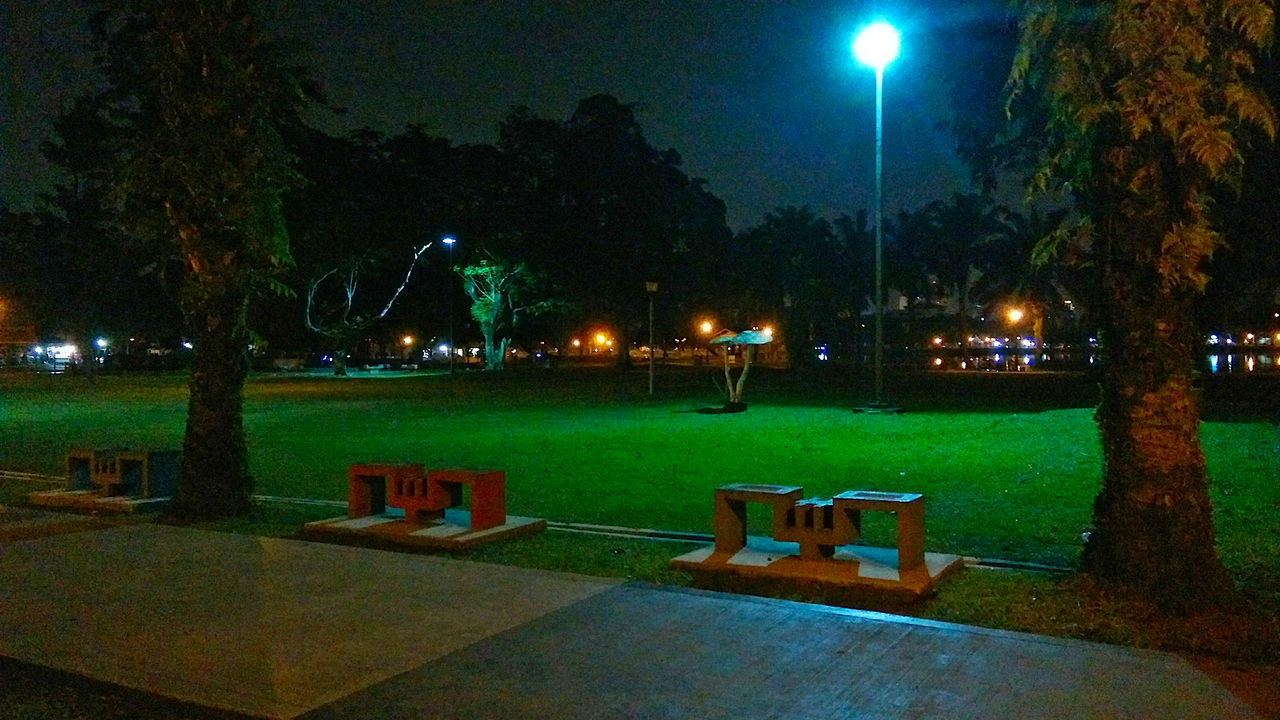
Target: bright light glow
{"x":937,"y":362}
{"x":448,"y":240}
{"x":1248,"y":337}
{"x":705,"y":327}
{"x":187,"y":344}
{"x":877,"y":45}
{"x":608,"y":343}
{"x":1015,"y":315}
{"x":600,"y":338}
{"x":61,"y":352}
{"x":1028,"y":342}
{"x":407,"y":339}
{"x":767,"y":330}
{"x":1248,"y":364}
{"x":100,"y":342}
{"x":443,"y":347}
{"x":937,"y":341}
{"x":577,"y":342}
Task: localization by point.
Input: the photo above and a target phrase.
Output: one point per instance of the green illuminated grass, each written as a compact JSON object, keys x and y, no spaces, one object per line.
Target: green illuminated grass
{"x":1009,"y":464}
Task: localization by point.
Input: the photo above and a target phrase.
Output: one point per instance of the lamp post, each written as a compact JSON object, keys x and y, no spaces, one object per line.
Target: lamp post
{"x":652,"y":287}
{"x":876,"y":46}
{"x":449,"y":240}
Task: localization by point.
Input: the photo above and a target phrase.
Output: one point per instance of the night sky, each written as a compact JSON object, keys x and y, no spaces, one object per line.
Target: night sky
{"x":763,"y":99}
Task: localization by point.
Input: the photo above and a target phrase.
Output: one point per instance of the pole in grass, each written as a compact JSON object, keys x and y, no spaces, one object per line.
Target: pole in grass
{"x":449,"y":240}
{"x":652,"y":287}
{"x":876,"y":46}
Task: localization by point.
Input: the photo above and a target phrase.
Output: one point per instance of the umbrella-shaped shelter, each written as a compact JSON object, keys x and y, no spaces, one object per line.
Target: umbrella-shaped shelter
{"x":749,"y":340}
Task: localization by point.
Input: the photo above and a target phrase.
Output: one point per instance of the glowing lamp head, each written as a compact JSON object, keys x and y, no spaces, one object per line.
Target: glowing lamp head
{"x":1015,"y":315}
{"x":705,"y":327}
{"x":407,"y":340}
{"x":877,"y":45}
{"x":448,"y":240}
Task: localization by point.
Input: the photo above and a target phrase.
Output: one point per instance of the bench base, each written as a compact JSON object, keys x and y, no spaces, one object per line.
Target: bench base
{"x":452,"y":533}
{"x":858,"y":571}
{"x":90,"y":501}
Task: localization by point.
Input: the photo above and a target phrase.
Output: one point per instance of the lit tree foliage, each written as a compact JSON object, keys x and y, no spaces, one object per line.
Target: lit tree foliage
{"x":1146,"y":106}
{"x":498,"y":290}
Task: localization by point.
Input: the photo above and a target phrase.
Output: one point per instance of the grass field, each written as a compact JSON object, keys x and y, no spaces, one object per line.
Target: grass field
{"x":1009,"y":463}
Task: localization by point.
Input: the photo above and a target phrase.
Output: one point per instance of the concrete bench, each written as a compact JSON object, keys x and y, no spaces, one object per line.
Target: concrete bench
{"x":368,"y":485}
{"x":117,"y":472}
{"x":730,"y":517}
{"x":488,"y":505}
{"x":818,"y":525}
{"x":425,"y":495}
{"x":909,"y":508}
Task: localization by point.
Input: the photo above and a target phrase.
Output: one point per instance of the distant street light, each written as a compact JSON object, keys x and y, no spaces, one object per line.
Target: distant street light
{"x":1015,"y":315}
{"x":876,"y":46}
{"x":449,"y":240}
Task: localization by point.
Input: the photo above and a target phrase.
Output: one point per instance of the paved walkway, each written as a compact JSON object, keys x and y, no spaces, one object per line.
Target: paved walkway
{"x":286,"y":629}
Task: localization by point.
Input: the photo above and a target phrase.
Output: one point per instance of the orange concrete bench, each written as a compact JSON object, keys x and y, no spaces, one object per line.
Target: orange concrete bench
{"x":729,"y":520}
{"x":367,"y":485}
{"x":818,"y":525}
{"x":488,"y":494}
{"x":909,"y":509}
{"x":425,"y":495}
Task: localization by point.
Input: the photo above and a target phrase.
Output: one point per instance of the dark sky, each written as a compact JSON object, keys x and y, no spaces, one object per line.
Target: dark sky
{"x":763,"y":99}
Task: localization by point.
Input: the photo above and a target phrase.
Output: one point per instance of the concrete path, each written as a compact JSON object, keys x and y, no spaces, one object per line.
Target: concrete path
{"x":285,"y":629}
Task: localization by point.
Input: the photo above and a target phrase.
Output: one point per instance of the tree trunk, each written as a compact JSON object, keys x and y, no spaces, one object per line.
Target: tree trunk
{"x":340,"y":362}
{"x":215,"y":482}
{"x":494,"y":351}
{"x":1153,"y":521}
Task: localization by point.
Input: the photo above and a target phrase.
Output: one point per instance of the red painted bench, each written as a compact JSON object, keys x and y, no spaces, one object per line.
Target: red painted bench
{"x":424,"y":495}
{"x":488,"y":494}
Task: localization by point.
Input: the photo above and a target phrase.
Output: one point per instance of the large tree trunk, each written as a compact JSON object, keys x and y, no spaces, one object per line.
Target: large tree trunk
{"x":215,"y":481}
{"x":495,"y":350}
{"x":1153,"y":522}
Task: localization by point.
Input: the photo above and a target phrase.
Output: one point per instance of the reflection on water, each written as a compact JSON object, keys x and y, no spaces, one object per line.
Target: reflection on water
{"x":1242,"y":362}
{"x":1015,"y":361}
{"x":1219,"y":363}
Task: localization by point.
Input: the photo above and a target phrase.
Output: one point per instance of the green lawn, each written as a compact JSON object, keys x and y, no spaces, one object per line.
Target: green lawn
{"x":1009,"y":463}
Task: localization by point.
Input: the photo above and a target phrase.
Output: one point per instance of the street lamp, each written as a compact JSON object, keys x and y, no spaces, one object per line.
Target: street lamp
{"x":876,"y":46}
{"x":449,"y":240}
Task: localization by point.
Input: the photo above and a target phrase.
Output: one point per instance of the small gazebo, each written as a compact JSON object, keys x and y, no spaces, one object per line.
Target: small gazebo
{"x":748,"y":340}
